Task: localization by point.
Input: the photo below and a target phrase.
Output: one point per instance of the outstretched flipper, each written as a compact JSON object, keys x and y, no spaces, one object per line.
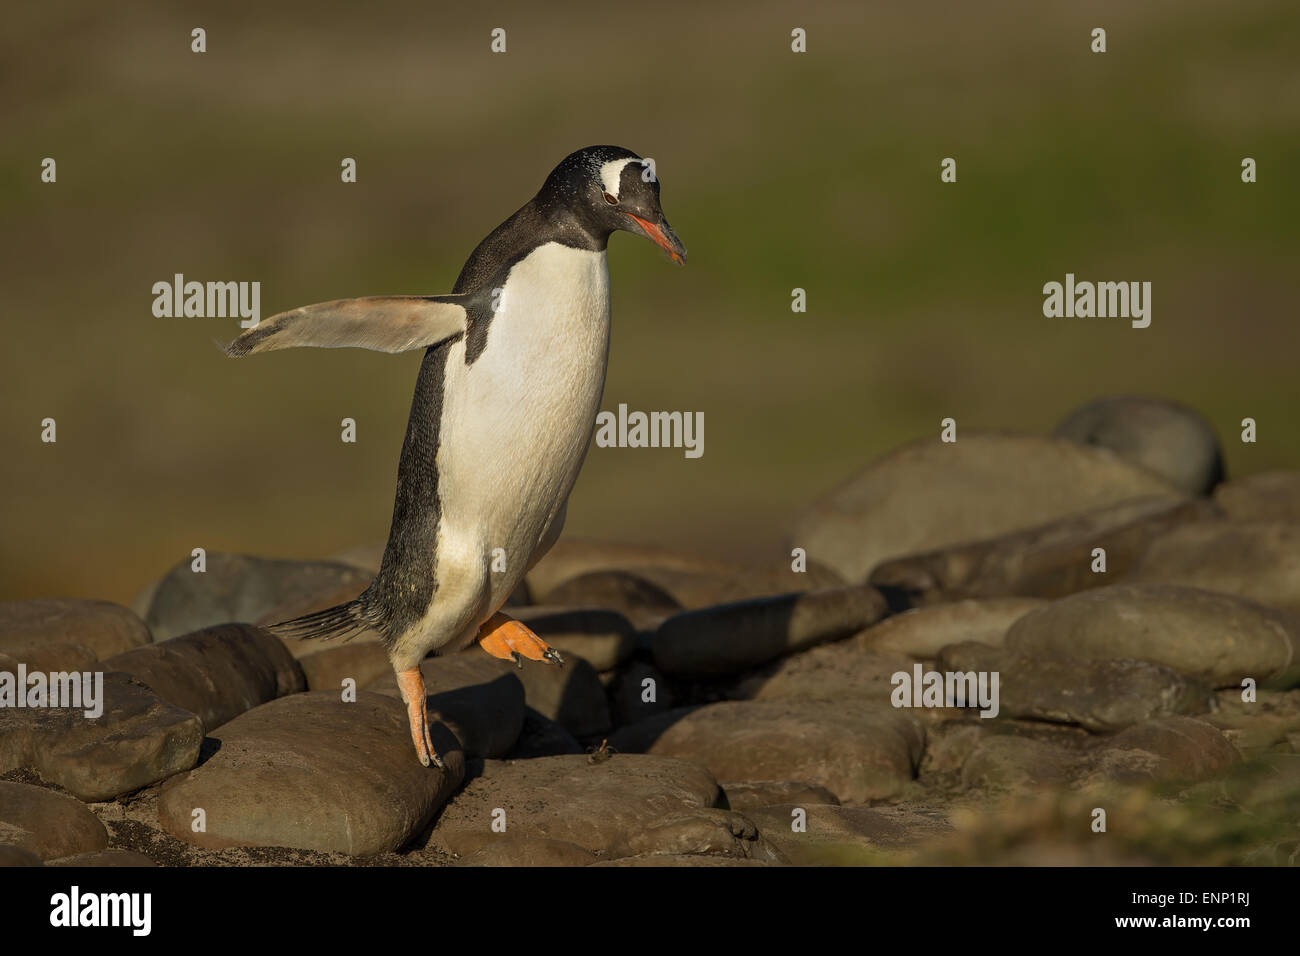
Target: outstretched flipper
{"x":381,"y":323}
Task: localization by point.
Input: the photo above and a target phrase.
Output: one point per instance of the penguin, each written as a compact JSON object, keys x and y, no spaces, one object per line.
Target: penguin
{"x":504,"y":411}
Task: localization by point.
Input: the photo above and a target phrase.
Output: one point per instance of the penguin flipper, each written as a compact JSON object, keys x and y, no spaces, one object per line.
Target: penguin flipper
{"x":381,"y":323}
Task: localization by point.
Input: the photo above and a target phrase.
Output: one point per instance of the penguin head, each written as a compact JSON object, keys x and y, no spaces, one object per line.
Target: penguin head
{"x":608,"y":188}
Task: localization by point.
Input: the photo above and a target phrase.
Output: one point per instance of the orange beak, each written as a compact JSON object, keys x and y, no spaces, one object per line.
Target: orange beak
{"x":663,"y":237}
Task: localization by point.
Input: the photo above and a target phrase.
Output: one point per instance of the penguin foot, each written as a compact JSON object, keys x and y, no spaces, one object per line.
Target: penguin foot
{"x":504,"y":637}
{"x":411,"y":684}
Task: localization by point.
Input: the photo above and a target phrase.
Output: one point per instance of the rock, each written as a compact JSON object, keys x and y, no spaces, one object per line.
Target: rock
{"x":753,"y":794}
{"x":1259,"y":560}
{"x":707,"y":832}
{"x":55,"y":657}
{"x":480,"y":701}
{"x":1047,"y":561}
{"x":1214,"y":637}
{"x":571,"y":695}
{"x":1164,"y":437}
{"x":1261,"y":725}
{"x":137,"y":741}
{"x":312,"y":772}
{"x":1018,"y":763}
{"x":603,"y":638}
{"x":930,"y":495}
{"x":834,"y":835}
{"x":949,"y":745}
{"x":830,"y":672}
{"x":1100,"y":695}
{"x":243,"y":588}
{"x":641,"y":601}
{"x":1172,"y":749}
{"x":1269,"y":496}
{"x":628,"y":693}
{"x":104,"y":858}
{"x":690,"y":580}
{"x":572,"y":799}
{"x":217,"y":673}
{"x":47,"y":824}
{"x":858,"y":751}
{"x":543,"y":737}
{"x":363,"y":663}
{"x":530,"y":852}
{"x":922,"y":632}
{"x":729,"y":638}
{"x":17,"y":856}
{"x":65,"y":631}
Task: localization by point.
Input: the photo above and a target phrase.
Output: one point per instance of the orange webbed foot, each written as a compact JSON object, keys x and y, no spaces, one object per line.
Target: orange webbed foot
{"x":504,"y":637}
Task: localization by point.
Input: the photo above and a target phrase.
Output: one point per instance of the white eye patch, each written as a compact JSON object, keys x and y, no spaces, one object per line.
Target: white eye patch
{"x":612,"y":172}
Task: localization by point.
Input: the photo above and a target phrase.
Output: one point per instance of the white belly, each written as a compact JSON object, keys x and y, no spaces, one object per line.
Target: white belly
{"x":517,"y":422}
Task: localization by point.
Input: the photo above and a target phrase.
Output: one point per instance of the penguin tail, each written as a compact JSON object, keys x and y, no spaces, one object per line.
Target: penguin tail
{"x":343,"y":621}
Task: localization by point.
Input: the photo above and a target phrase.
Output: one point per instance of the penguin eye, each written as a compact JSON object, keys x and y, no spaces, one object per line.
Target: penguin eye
{"x":612,"y":200}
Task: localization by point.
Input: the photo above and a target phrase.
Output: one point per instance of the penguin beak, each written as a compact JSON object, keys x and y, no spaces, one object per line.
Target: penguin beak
{"x":662,"y":235}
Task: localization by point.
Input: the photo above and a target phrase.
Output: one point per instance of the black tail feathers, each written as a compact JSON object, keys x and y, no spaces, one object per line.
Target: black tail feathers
{"x":344,"y":621}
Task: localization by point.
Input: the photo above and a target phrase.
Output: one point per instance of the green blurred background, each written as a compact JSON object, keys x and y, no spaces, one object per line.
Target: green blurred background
{"x":779,"y":170}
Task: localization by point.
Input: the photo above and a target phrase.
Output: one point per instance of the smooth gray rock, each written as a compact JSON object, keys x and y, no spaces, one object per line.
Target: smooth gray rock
{"x":137,"y":741}
{"x":922,"y":632}
{"x":1169,"y":750}
{"x":930,"y":494}
{"x":730,"y":638}
{"x":313,"y":772}
{"x":856,"y":750}
{"x":75,"y":629}
{"x":571,"y":798}
{"x":244,"y":588}
{"x":1164,"y":437}
{"x":1046,"y":561}
{"x":46,"y":823}
{"x":638,"y":599}
{"x":1268,"y":496}
{"x":217,"y":673}
{"x":1217,"y":638}
{"x":1259,"y":560}
{"x":1102,"y":696}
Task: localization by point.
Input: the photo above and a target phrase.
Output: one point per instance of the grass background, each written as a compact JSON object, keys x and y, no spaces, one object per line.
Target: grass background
{"x":779,"y":170}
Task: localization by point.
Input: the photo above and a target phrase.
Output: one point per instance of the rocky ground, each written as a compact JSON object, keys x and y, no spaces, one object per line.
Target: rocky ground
{"x":1141,"y":616}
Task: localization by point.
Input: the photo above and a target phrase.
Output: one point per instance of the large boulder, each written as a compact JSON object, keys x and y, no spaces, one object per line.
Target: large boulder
{"x":1215,"y":637}
{"x":314,"y":772}
{"x":138,"y":739}
{"x":931,"y":494}
{"x":245,"y":588}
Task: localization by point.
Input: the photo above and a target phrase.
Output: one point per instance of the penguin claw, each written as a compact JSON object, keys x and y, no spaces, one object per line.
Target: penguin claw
{"x":518,"y":659}
{"x":553,"y":656}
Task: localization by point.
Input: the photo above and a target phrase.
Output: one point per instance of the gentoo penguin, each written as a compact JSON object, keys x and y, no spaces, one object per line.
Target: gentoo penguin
{"x":504,"y":409}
